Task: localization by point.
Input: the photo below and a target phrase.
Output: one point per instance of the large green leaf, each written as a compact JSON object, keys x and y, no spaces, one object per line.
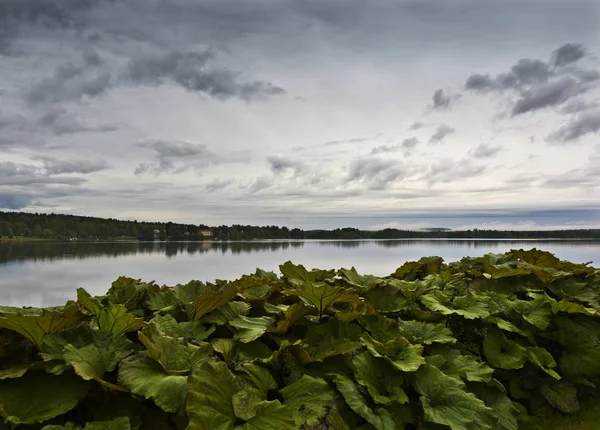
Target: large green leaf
{"x":503,"y":353}
{"x":291,"y":315}
{"x":114,"y":320}
{"x":504,"y":408}
{"x":537,"y":312}
{"x":580,"y":336}
{"x":322,"y":295}
{"x":212,"y":297}
{"x":462,"y":366}
{"x":212,"y":388}
{"x":147,"y":378}
{"x":425,"y":333}
{"x":298,"y":275}
{"x":544,"y":360}
{"x":249,"y":329}
{"x":188,"y":330}
{"x":309,"y":399}
{"x":34,"y":323}
{"x":92,"y":361}
{"x":174,"y":355}
{"x":226,"y":313}
{"x":378,"y":417}
{"x":382,"y":380}
{"x":37,"y":397}
{"x":386,"y":298}
{"x":399,"y":352}
{"x":468,"y":306}
{"x":445,"y":401}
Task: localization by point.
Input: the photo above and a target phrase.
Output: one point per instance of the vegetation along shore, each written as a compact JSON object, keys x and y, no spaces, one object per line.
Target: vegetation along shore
{"x":502,"y":341}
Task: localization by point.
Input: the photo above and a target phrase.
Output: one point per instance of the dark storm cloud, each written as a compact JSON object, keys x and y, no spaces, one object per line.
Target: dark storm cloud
{"x":485,"y":151}
{"x":175,"y":157}
{"x":191,"y":71}
{"x":547,"y":95}
{"x":440,"y":133}
{"x":376,"y":173}
{"x":54,"y":166}
{"x":567,"y":54}
{"x":577,"y":106}
{"x":71,"y":83}
{"x":582,"y":125}
{"x":525,"y":72}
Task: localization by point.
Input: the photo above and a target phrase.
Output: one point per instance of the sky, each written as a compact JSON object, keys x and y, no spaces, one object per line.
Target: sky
{"x":304,"y":113}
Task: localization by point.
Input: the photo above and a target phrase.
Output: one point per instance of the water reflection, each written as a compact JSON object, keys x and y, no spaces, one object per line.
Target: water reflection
{"x":44,"y":274}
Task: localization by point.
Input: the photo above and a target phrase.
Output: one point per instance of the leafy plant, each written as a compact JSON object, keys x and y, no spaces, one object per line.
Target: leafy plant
{"x":484,"y":343}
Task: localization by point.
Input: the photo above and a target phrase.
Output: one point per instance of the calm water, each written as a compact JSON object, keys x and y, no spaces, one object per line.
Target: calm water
{"x":46,"y":274}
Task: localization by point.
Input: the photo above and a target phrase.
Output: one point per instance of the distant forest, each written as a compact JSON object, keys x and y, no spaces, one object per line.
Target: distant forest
{"x":68,"y":227}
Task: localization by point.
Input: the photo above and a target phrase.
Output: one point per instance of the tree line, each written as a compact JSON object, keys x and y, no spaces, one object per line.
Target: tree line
{"x":67,"y":227}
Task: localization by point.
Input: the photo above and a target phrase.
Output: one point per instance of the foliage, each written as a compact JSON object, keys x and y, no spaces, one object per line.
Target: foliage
{"x":493,"y":342}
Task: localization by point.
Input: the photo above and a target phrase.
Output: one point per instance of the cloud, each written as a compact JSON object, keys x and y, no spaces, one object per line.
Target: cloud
{"x":16,"y":174}
{"x":280,"y":164}
{"x":72,"y":82}
{"x":582,"y":125}
{"x":13,"y":201}
{"x":376,"y":173}
{"x":175,"y":157}
{"x":218,"y":184}
{"x":440,"y":133}
{"x":407,"y":145}
{"x":60,"y":120}
{"x":525,"y":72}
{"x":567,"y":54}
{"x":448,"y":170}
{"x":547,"y":95}
{"x":485,"y":151}
{"x":191,"y":71}
{"x":416,"y":125}
{"x":54,"y":166}
{"x":440,"y":100}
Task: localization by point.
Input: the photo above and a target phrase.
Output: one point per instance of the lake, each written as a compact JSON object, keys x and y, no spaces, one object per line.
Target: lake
{"x":47,"y":274}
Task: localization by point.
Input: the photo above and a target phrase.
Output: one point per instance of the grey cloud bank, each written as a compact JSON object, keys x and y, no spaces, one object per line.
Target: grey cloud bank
{"x":301,"y":113}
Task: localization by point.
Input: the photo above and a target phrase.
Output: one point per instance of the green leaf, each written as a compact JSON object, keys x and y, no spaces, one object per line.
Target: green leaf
{"x":537,"y":257}
{"x":189,"y":330}
{"x":147,"y":378}
{"x":382,"y":380}
{"x":561,"y":395}
{"x":92,"y":361}
{"x":468,"y":306}
{"x":309,"y":399}
{"x":210,"y":390}
{"x":352,"y":277}
{"x":34,"y":323}
{"x":445,"y":401}
{"x":114,"y":319}
{"x":175,"y":356}
{"x":425,"y":333}
{"x":322,"y":296}
{"x":503,"y":353}
{"x":269,"y":416}
{"x":504,"y":408}
{"x":298,"y":275}
{"x":542,"y":358}
{"x":537,"y":312}
{"x":38,"y":397}
{"x":572,"y":308}
{"x":292,"y":314}
{"x":580,"y":337}
{"x":249,"y":329}
{"x":462,"y":366}
{"x":14,"y":371}
{"x":378,"y":417}
{"x":399,"y":353}
{"x":213,"y":297}
{"x":386,"y":298}
{"x":226,"y":313}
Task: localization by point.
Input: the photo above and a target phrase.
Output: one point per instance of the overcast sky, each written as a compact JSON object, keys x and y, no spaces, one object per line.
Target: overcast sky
{"x":320,"y":113}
